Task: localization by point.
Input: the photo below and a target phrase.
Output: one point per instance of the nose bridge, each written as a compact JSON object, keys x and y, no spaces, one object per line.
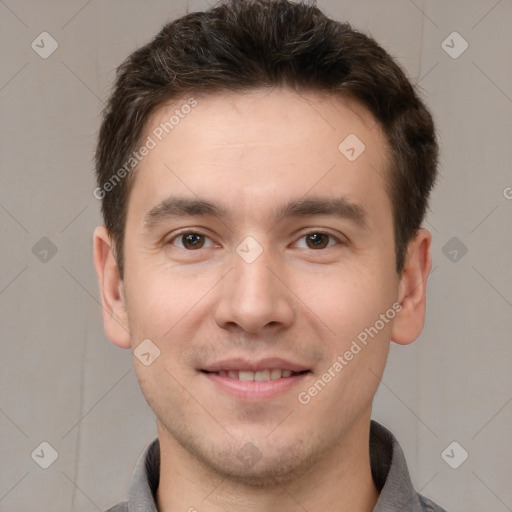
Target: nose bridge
{"x":252,"y":297}
{"x":253,"y":275}
{"x":254,"y":284}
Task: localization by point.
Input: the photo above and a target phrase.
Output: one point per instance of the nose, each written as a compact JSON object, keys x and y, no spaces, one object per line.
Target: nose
{"x":254,"y":296}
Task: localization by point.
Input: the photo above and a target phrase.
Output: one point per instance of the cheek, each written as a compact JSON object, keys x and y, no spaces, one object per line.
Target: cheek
{"x":164,"y":305}
{"x":346,"y":300}
{"x":155,"y":302}
{"x":348,"y":306}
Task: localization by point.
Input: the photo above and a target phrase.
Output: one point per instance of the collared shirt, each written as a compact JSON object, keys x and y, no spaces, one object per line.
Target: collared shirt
{"x":387,"y":460}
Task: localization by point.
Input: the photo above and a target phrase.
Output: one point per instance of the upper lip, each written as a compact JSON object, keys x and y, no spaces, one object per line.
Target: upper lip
{"x":254,"y":366}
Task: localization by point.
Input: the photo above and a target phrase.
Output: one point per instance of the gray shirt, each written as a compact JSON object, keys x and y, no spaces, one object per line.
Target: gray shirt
{"x":389,"y":471}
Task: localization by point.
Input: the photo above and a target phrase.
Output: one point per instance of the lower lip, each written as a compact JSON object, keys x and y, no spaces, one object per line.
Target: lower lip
{"x":255,"y":390}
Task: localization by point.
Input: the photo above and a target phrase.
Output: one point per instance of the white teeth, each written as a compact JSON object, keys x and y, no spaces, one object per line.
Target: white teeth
{"x":262,"y":375}
{"x":259,"y":376}
{"x":275,"y":374}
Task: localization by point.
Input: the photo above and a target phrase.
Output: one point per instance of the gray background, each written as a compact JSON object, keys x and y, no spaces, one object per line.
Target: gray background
{"x":63,"y":382}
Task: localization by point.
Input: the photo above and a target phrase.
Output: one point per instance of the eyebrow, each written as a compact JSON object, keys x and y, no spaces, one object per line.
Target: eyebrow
{"x":340,"y":207}
{"x":182,"y":207}
{"x":177,"y":207}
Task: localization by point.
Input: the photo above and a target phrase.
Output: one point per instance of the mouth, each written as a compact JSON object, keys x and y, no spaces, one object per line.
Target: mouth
{"x":257,"y":376}
{"x":247,"y":381}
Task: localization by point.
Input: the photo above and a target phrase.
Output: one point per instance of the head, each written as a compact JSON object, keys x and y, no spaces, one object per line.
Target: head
{"x":264,"y":172}
{"x":246,"y":45}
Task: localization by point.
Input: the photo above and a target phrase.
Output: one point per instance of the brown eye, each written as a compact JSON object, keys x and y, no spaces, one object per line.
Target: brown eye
{"x":192,"y":241}
{"x":317,"y":240}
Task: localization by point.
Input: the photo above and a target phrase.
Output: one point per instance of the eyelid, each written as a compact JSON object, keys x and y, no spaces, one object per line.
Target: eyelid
{"x":186,"y":231}
{"x":340,"y":239}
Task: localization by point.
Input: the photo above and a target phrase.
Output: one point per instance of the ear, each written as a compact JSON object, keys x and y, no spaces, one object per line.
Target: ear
{"x":115,"y":317}
{"x":412,"y":288}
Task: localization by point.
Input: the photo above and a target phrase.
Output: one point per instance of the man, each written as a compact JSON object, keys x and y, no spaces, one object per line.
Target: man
{"x":264,"y":172}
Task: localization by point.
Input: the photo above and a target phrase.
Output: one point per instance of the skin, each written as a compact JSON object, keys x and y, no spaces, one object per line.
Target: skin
{"x":250,"y":152}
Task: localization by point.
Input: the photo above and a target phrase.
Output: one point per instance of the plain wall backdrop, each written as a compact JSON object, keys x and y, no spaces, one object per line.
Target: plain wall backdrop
{"x":63,"y":383}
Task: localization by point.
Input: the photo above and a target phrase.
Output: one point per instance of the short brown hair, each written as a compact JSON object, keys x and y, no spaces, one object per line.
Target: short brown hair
{"x":247,"y":44}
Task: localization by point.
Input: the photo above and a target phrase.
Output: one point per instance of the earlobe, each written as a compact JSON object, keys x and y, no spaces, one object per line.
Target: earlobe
{"x":409,"y":322}
{"x":115,"y":318}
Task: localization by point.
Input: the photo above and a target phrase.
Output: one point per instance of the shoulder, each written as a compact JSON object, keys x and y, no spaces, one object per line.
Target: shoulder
{"x":120,"y":507}
{"x":428,"y":505}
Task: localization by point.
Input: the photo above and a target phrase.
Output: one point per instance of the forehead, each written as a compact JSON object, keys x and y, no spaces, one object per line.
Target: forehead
{"x":224,"y":118}
{"x":262,"y":143}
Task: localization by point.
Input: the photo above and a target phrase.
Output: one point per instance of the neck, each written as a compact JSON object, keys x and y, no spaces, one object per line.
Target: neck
{"x":339,"y":480}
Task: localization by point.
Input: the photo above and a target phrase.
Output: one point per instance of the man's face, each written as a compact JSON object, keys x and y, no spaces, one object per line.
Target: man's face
{"x":270,"y":274}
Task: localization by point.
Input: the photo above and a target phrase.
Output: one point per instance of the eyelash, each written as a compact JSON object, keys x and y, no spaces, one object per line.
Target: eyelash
{"x":313,"y":232}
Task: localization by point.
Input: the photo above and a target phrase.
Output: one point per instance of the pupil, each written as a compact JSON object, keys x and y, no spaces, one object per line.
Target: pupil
{"x":193,"y":240}
{"x":318,"y":239}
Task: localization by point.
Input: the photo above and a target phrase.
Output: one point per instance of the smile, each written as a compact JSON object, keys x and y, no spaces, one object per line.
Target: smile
{"x":254,"y":386}
{"x":259,"y":376}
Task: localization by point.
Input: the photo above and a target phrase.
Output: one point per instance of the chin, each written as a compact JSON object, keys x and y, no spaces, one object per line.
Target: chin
{"x":265,"y":472}
{"x":255,"y":464}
